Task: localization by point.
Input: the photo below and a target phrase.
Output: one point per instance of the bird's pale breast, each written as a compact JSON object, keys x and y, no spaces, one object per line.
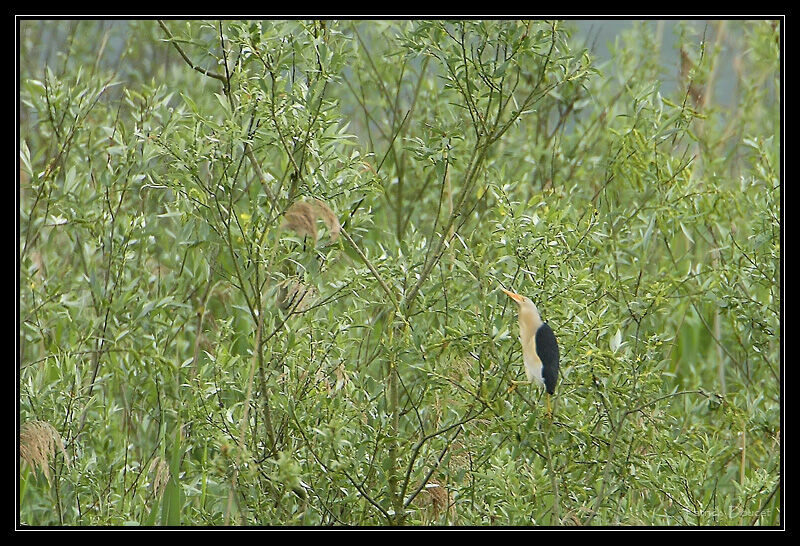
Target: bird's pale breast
{"x":533,"y":364}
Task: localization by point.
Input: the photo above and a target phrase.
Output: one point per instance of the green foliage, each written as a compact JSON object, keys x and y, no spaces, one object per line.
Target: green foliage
{"x":260,"y":260}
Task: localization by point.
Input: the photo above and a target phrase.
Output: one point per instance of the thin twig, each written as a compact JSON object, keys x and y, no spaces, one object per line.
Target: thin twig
{"x":374,"y":271}
{"x":208,"y":73}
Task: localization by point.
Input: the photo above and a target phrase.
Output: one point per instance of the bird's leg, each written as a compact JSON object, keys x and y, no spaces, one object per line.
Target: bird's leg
{"x":547,"y":406}
{"x":515,"y":384}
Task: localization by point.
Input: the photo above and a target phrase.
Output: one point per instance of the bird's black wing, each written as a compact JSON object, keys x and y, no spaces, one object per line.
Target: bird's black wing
{"x":547,"y":349}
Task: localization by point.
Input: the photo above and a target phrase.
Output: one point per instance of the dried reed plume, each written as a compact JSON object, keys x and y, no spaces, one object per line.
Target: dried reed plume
{"x":302,"y":218}
{"x":37,"y":445}
{"x":341,"y":376}
{"x":295,"y":296}
{"x":161,"y":476}
{"x":686,"y":67}
{"x":436,"y":499}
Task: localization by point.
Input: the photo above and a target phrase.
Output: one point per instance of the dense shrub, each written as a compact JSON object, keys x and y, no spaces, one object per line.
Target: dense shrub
{"x":260,"y":266}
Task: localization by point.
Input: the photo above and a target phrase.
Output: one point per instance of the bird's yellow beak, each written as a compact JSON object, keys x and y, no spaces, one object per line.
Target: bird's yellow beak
{"x":516,"y":297}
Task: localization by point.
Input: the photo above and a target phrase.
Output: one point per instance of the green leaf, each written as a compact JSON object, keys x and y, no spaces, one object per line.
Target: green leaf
{"x":615,"y":341}
{"x":686,"y":233}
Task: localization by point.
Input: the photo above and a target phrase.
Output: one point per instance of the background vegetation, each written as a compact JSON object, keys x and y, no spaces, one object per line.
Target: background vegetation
{"x":259,"y":267}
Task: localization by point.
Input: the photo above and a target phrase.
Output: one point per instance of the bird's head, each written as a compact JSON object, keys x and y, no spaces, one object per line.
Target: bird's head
{"x":528,"y":313}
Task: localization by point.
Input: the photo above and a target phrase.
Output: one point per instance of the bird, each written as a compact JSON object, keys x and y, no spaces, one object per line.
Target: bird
{"x":539,"y":346}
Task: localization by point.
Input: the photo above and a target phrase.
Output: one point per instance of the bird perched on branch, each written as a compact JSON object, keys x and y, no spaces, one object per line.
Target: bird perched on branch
{"x":539,"y":346}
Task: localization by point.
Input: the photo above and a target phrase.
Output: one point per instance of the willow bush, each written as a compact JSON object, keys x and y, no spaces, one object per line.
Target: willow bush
{"x":260,"y":266}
